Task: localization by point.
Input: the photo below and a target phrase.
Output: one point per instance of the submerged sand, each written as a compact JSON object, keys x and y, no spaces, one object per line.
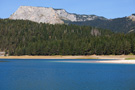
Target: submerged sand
{"x":103,"y":61}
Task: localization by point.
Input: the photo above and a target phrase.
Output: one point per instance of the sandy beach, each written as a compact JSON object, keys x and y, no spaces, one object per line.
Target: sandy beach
{"x":117,"y":58}
{"x":70,"y":57}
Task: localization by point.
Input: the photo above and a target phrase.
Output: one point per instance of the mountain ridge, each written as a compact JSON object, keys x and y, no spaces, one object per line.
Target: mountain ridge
{"x":61,"y":16}
{"x":75,"y":14}
{"x":49,"y":15}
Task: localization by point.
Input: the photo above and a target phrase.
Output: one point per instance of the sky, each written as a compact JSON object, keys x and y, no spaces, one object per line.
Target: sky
{"x":106,"y":8}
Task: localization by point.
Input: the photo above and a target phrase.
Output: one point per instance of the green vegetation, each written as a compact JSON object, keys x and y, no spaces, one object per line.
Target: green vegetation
{"x":124,"y":25}
{"x":19,"y":37}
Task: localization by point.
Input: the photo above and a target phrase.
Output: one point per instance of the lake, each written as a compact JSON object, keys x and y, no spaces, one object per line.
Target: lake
{"x":45,"y":74}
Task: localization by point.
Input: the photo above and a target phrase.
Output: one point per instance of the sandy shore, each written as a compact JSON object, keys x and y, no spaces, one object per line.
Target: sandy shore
{"x":118,"y":58}
{"x":48,"y":57}
{"x":70,"y":57}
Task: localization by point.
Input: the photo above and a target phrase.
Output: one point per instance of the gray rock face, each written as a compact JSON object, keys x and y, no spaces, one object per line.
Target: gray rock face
{"x":37,"y":14}
{"x":49,"y":15}
{"x":132,"y":17}
{"x":65,"y":15}
{"x":75,"y":17}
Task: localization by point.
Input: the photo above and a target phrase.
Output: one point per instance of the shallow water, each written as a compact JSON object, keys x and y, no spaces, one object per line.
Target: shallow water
{"x":40,"y":74}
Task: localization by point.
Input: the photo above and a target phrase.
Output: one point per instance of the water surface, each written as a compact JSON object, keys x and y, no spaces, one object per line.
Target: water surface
{"x":45,"y":74}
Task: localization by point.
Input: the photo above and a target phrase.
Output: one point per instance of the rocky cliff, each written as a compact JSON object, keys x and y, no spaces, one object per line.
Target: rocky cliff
{"x":37,"y":14}
{"x":49,"y":15}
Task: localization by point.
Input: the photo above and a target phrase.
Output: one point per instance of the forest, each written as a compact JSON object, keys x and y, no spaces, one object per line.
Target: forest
{"x":23,"y":37}
{"x":124,"y":24}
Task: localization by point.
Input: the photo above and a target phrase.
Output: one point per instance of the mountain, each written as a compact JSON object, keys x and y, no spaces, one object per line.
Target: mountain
{"x":61,"y":16}
{"x":49,"y":15}
{"x":125,"y":24}
{"x":36,"y":14}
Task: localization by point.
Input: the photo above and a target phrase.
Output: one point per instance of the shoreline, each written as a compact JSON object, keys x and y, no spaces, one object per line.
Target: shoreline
{"x":71,"y":57}
{"x":116,"y":59}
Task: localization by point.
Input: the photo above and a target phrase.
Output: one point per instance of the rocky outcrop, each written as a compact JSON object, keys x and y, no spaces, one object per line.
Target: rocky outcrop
{"x":37,"y":14}
{"x":64,"y":15}
{"x":132,"y":17}
{"x":49,"y":15}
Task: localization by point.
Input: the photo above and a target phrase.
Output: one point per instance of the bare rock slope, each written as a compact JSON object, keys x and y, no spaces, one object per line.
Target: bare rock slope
{"x":49,"y":15}
{"x":37,"y":14}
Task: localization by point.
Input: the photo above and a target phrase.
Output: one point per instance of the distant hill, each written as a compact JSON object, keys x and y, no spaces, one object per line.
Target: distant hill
{"x":124,"y":24}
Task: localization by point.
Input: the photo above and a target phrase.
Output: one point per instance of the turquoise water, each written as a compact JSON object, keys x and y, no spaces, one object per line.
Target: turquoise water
{"x":42,"y":74}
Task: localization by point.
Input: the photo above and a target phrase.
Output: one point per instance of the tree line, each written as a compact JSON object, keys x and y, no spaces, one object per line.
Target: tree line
{"x":22,"y":37}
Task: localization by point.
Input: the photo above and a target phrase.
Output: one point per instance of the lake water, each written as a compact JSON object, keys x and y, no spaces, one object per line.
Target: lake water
{"x":46,"y":74}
